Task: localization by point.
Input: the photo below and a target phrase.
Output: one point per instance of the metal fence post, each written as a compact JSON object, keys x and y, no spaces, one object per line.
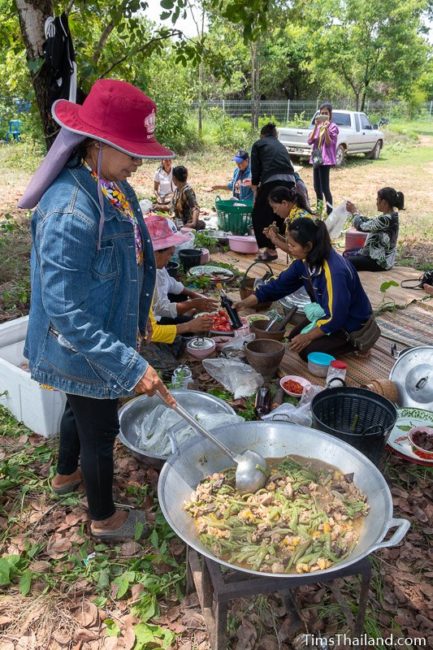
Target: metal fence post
{"x":288,"y":110}
{"x":224,"y":106}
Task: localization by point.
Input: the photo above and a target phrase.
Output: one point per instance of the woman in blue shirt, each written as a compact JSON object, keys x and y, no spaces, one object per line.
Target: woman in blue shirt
{"x":93,"y":276}
{"x":330,"y":280}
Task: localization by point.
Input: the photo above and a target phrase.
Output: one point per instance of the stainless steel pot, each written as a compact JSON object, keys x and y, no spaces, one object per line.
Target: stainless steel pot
{"x":199,"y":458}
{"x":194,"y":401}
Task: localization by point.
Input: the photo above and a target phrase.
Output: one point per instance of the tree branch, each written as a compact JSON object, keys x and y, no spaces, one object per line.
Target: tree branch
{"x":199,"y":34}
{"x":102,"y":40}
{"x":69,"y":7}
{"x":173,"y":32}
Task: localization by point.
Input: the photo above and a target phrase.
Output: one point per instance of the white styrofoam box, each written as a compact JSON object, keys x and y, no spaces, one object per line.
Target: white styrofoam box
{"x":39,"y":409}
{"x":13,"y":330}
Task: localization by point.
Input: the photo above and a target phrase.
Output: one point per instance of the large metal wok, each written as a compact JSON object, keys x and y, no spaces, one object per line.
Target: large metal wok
{"x":199,"y":458}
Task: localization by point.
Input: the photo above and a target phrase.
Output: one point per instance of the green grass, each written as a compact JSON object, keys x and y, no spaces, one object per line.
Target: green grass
{"x":417,"y":127}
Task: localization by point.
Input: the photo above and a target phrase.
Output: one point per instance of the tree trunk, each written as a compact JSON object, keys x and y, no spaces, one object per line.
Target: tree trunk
{"x":32,"y":15}
{"x":255,"y":82}
{"x":357,"y":93}
{"x":200,"y":98}
{"x":364,"y":97}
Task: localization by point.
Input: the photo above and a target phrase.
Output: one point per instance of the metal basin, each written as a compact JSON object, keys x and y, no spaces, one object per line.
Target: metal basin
{"x":198,"y":458}
{"x":134,"y":411}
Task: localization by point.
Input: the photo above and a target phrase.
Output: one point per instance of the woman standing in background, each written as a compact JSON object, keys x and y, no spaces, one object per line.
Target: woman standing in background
{"x":323,"y":139}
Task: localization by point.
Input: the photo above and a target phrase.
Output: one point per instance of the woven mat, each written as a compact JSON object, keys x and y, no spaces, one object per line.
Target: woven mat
{"x":361,"y":370}
{"x":411,"y":326}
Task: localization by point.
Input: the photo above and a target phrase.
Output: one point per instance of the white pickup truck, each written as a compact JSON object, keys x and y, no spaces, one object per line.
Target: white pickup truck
{"x":356,"y":135}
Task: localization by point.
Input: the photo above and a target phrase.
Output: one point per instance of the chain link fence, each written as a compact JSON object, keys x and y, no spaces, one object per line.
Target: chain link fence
{"x":290,"y":109}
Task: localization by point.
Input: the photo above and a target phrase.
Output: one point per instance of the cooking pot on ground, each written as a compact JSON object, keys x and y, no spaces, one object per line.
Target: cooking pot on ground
{"x":198,"y":458}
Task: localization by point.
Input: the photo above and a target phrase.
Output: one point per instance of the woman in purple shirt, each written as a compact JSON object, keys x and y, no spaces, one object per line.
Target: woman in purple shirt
{"x":323,"y":138}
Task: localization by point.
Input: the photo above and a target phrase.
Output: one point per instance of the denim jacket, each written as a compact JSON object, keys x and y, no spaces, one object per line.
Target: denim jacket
{"x":87,"y":305}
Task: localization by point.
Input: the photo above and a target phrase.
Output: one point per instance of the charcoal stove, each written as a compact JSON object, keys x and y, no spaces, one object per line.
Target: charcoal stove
{"x":216,"y":588}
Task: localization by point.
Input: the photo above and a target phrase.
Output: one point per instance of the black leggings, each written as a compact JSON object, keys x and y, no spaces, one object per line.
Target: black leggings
{"x":321,"y":185}
{"x":263,"y":215}
{"x":364,"y":263}
{"x":88,"y":430}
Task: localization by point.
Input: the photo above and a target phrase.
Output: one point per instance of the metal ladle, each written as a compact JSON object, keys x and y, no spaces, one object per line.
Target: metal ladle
{"x":251,"y":472}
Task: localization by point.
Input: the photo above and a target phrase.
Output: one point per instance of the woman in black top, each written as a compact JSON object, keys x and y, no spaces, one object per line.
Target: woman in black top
{"x":270,"y":167}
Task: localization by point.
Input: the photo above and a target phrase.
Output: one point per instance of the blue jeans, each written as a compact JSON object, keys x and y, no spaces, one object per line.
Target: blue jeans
{"x":88,"y":430}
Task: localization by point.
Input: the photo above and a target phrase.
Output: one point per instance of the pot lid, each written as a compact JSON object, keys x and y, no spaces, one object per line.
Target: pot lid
{"x":413,"y":375}
{"x":200,"y":343}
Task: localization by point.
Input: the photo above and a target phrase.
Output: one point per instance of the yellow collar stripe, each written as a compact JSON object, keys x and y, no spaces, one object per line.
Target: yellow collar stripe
{"x":330,"y":291}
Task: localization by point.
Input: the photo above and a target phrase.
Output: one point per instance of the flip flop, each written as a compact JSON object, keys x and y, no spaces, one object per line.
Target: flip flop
{"x":265,"y":257}
{"x":127,"y":530}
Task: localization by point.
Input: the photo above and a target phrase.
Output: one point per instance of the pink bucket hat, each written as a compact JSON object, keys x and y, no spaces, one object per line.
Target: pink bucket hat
{"x":114,"y":112}
{"x":117,"y":113}
{"x":161,"y":234}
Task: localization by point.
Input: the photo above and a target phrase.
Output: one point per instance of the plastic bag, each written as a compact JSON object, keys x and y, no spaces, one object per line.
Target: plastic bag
{"x":145,"y":205}
{"x":299,"y":413}
{"x":291,"y":413}
{"x":336,"y":220}
{"x":237,"y":343}
{"x":237,"y":377}
{"x":154,"y":431}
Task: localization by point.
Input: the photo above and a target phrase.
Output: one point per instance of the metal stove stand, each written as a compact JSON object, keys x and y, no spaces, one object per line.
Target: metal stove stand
{"x":216,"y":589}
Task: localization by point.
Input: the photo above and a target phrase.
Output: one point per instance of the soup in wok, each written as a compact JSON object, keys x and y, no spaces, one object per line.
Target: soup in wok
{"x":306,"y":518}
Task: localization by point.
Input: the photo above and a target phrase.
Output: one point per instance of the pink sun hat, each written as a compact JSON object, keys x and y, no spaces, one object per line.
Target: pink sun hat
{"x":114,"y":112}
{"x":161,"y":234}
{"x":117,"y":113}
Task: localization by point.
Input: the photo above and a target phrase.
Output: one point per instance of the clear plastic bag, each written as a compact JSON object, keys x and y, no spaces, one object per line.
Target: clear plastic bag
{"x":299,"y":413}
{"x":156,"y":428}
{"x":336,"y":220}
{"x":145,"y":205}
{"x":237,"y":377}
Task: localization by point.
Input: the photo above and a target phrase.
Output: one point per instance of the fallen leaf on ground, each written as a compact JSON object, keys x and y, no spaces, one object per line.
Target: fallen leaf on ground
{"x":57,"y":547}
{"x":129,"y":549}
{"x":246,"y":636}
{"x":137,"y":590}
{"x":85,"y":635}
{"x":87,"y":614}
{"x":267,"y":642}
{"x":193,"y":619}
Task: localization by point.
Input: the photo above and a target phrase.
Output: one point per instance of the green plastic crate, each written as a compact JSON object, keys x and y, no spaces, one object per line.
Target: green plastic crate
{"x":234,"y":218}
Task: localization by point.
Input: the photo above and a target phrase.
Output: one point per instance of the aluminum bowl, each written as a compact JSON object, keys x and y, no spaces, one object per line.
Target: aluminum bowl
{"x":194,"y":401}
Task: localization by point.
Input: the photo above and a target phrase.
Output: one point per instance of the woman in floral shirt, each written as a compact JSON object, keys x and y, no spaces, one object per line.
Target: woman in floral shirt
{"x":380,"y":248}
{"x":185,"y":204}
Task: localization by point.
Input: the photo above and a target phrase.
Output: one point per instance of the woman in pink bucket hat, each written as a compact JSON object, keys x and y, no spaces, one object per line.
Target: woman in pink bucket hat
{"x":93,"y":277}
{"x":173,"y":303}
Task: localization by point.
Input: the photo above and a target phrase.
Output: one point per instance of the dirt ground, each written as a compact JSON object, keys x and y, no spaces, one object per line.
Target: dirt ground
{"x":358,"y":180}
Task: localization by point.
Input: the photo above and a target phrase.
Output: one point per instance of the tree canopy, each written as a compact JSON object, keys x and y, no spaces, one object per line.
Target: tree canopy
{"x":260,"y":48}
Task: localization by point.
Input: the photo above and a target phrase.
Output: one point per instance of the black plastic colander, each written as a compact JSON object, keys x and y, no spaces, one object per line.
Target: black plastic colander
{"x":358,"y":416}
